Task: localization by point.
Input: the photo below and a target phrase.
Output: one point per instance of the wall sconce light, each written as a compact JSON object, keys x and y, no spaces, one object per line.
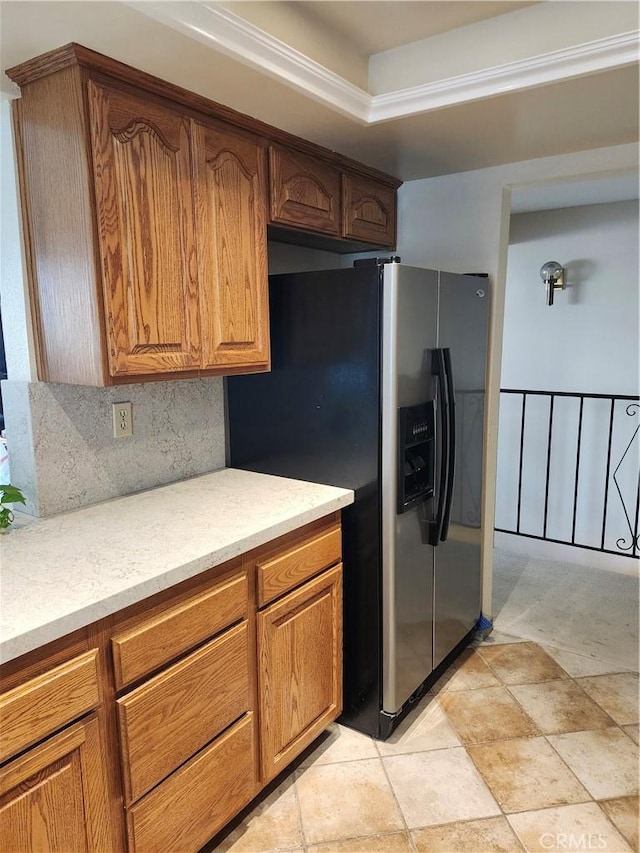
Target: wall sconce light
{"x":552,"y":274}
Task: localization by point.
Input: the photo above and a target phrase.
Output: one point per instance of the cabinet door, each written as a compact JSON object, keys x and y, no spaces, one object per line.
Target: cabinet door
{"x":300,"y":668}
{"x":232,"y":248}
{"x":369,"y":211}
{"x":53,"y":798}
{"x":305,"y":192}
{"x":141,"y":158}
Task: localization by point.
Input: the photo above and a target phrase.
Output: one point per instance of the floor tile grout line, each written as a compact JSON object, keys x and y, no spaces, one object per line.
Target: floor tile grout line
{"x":303,"y":836}
{"x":595,"y":802}
{"x":516,"y":737}
{"x":585,"y":731}
{"x":624,"y":671}
{"x":520,"y":811}
{"x":397,"y":802}
{"x":567,"y":766}
{"x":560,"y":681}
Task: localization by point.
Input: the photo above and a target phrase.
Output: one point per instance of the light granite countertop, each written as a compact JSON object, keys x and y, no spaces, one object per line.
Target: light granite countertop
{"x":61,"y":573}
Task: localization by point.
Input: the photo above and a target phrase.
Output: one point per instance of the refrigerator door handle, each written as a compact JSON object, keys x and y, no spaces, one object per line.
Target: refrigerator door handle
{"x":438,"y":369}
{"x":451,"y":429}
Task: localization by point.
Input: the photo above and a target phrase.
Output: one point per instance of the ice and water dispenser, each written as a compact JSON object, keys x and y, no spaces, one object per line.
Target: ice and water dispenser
{"x":416,"y":454}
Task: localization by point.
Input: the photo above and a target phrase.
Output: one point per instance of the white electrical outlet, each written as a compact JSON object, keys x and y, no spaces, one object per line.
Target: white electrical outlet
{"x":122,"y":420}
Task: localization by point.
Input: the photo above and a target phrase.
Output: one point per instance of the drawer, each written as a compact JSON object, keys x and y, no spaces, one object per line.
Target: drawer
{"x":168,"y":719}
{"x":44,"y":704}
{"x":198,"y":799}
{"x":284,"y":572}
{"x":177,"y":629}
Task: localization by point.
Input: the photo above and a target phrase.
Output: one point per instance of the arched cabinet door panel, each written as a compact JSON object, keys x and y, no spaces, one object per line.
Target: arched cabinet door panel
{"x":369,"y":210}
{"x":305,"y":192}
{"x":231,"y":229}
{"x":144,"y":210}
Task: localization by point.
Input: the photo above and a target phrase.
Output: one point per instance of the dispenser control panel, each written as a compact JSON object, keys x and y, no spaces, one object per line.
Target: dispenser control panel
{"x":416,"y":453}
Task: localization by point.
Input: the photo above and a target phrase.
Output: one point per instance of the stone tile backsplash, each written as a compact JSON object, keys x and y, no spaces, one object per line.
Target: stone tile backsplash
{"x":63,"y":454}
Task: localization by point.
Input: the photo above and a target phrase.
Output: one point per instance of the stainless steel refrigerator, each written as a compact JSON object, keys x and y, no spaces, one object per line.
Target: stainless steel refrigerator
{"x":377,"y":384}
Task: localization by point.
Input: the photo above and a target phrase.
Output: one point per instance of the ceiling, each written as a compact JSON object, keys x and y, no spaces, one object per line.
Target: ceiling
{"x":306,"y":67}
{"x":371,"y":27}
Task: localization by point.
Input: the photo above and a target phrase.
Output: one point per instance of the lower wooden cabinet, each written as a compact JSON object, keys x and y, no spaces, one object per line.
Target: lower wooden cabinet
{"x":299,"y":668}
{"x":54,"y":797}
{"x":187,"y":809}
{"x":169,"y":717}
{"x":167,"y":720}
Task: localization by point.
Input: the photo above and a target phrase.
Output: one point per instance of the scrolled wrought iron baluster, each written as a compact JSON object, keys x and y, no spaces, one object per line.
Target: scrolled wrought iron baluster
{"x":634,"y":542}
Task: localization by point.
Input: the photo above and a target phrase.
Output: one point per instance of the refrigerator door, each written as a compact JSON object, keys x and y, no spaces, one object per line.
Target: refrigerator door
{"x":462,"y":327}
{"x":408,"y":336}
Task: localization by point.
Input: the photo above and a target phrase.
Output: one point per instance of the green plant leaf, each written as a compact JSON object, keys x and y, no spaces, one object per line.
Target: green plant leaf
{"x":11,"y":494}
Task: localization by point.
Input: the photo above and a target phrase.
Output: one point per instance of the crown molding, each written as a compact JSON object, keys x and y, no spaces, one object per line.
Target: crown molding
{"x":223,"y":31}
{"x":552,"y":67}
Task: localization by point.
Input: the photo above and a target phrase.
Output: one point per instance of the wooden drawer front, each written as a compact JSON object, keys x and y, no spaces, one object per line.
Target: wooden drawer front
{"x":369,"y":211}
{"x":168,"y":719}
{"x":305,"y":192}
{"x":286,"y":571}
{"x":178,"y":629}
{"x":33,"y":710}
{"x":200,"y":798}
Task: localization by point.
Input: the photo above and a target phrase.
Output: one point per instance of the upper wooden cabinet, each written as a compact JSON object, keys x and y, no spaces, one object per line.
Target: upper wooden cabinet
{"x":312,"y":195}
{"x":369,"y":211}
{"x":305,"y":192}
{"x":230,"y":190}
{"x":146,"y":210}
{"x":147,"y":240}
{"x":148,"y":235}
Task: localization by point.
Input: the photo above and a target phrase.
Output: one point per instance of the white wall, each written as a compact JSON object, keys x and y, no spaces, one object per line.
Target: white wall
{"x":13,"y":293}
{"x":461,"y":223}
{"x":586,"y":342}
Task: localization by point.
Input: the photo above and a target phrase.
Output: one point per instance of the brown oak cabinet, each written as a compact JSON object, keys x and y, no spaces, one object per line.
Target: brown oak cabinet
{"x":148,"y":234}
{"x":157,"y":725}
{"x":312,"y":195}
{"x":369,"y":210}
{"x":54,"y":798}
{"x":299,"y":591}
{"x":53,"y":782}
{"x":305,"y":192}
{"x":232,"y":250}
{"x":145,"y":213}
{"x":300,"y":668}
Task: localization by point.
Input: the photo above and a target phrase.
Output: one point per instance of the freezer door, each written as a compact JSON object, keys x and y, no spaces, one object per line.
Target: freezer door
{"x":408,"y":337}
{"x":462,"y":327}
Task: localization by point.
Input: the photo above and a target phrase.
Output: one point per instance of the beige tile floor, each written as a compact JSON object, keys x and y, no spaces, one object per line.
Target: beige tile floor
{"x":516,"y":748}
